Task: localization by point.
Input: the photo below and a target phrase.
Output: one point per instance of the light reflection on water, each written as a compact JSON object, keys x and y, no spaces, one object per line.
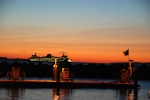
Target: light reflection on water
{"x":75,"y":94}
{"x":65,"y":94}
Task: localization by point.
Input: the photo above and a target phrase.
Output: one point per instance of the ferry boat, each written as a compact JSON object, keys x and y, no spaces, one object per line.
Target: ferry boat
{"x":49,"y":58}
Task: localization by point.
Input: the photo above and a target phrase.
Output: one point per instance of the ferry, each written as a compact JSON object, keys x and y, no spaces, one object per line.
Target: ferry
{"x":49,"y":58}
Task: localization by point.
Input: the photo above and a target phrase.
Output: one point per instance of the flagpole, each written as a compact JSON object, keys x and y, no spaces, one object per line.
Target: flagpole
{"x":128,"y":60}
{"x":128,"y":54}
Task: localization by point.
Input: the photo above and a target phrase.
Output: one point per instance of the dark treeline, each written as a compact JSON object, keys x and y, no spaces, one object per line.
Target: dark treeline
{"x":80,"y":70}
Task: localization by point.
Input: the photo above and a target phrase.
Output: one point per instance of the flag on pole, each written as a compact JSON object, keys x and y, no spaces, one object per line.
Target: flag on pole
{"x":126,"y":52}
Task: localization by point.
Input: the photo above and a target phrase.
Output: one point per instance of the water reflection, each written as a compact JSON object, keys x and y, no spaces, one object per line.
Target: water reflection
{"x":127,"y":94}
{"x":148,"y":94}
{"x":56,"y":93}
{"x":68,"y":94}
{"x":15,"y":93}
{"x":62,"y":94}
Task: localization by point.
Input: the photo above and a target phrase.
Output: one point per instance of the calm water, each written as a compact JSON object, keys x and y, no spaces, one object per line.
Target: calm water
{"x":75,"y":94}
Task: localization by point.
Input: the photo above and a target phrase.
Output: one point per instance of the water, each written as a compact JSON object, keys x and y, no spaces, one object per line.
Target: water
{"x":75,"y":94}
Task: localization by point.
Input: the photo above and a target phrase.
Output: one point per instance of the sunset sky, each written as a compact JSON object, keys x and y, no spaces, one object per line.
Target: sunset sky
{"x":86,"y":30}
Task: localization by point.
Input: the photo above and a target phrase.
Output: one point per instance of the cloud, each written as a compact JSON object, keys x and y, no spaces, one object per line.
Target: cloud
{"x":23,"y":51}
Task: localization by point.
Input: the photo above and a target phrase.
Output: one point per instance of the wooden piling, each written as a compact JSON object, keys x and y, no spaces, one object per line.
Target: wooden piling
{"x":135,"y":70}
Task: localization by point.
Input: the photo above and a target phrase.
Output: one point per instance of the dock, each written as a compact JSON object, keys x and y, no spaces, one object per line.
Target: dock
{"x":63,"y":84}
{"x":64,"y":78}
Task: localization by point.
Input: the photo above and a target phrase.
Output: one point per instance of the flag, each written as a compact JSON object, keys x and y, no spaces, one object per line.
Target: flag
{"x":126,"y":52}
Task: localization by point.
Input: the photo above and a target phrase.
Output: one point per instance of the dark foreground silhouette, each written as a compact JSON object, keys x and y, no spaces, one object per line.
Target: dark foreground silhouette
{"x":80,"y":70}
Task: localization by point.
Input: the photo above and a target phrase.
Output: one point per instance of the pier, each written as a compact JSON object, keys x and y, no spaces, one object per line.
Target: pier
{"x":64,"y":78}
{"x":63,"y":84}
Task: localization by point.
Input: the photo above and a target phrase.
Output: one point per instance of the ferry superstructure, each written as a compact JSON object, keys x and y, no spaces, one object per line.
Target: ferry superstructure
{"x":49,"y":58}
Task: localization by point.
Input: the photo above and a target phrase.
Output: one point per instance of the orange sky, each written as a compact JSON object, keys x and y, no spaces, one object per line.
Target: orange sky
{"x":92,"y":32}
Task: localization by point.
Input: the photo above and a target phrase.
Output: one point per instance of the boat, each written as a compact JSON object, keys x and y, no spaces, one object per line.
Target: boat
{"x":49,"y":58}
